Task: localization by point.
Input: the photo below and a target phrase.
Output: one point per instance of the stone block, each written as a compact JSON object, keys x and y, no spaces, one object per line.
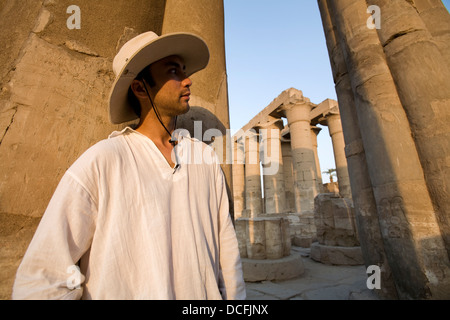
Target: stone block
{"x":335,"y":255}
{"x":307,"y":229}
{"x":263,"y":237}
{"x":289,"y":267}
{"x":335,"y":221}
{"x":302,"y":241}
{"x":274,"y":239}
{"x":241,"y":234}
{"x":256,"y":239}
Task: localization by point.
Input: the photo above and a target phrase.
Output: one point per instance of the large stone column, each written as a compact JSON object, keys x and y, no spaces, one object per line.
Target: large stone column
{"x":298,"y":116}
{"x":422,"y":75}
{"x":53,"y":104}
{"x":337,"y":137}
{"x":406,"y":215}
{"x":272,"y":165}
{"x":238,"y":178}
{"x":253,"y":194}
{"x":209,"y":99}
{"x":363,"y":199}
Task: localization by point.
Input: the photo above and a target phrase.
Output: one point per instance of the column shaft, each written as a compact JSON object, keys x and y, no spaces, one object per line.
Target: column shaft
{"x":363,"y":199}
{"x":272,"y":165}
{"x":337,"y":138}
{"x":238,"y":178}
{"x":253,"y":194}
{"x":288,"y":172}
{"x":302,"y":155}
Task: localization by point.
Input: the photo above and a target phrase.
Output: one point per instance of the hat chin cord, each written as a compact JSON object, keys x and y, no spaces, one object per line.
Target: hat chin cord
{"x":172,"y":141}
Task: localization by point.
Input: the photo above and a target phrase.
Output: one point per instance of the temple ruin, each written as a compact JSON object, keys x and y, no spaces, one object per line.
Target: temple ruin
{"x":282,"y":161}
{"x":389,"y":129}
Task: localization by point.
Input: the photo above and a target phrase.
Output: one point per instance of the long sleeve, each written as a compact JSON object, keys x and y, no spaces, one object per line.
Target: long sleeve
{"x":231,"y":285}
{"x":48,"y":269}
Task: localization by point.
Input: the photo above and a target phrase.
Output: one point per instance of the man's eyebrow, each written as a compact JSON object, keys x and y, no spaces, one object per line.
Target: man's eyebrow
{"x":175,"y":64}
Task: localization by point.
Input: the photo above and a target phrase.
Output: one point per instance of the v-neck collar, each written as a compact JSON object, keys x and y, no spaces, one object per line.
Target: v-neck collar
{"x":179,"y":135}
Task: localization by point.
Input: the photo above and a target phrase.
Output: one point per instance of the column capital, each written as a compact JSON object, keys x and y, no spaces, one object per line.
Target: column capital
{"x":298,"y":111}
{"x":286,"y":98}
{"x":333,"y":121}
{"x":294,"y":98}
{"x":332,"y":115}
{"x":296,"y":102}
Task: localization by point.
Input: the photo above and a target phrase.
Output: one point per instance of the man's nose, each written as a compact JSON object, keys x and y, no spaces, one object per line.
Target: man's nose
{"x":187,"y":82}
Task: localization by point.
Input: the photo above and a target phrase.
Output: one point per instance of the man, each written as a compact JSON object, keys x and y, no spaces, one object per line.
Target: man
{"x":130,"y":219}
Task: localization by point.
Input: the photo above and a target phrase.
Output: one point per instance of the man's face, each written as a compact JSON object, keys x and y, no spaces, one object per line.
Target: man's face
{"x":171,"y":93}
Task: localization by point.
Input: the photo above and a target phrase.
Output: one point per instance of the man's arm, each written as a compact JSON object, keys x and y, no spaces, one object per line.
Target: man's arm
{"x":48,"y":270}
{"x":232,"y":285}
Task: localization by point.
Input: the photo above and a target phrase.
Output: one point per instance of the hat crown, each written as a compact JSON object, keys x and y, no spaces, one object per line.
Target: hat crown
{"x":130,"y":48}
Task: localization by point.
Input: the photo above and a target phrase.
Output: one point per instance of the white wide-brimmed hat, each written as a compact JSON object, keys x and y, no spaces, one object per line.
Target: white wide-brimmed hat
{"x":143,"y":50}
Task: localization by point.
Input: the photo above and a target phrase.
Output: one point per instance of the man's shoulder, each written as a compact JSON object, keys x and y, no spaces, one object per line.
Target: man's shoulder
{"x":101,"y":153}
{"x":104,"y":148}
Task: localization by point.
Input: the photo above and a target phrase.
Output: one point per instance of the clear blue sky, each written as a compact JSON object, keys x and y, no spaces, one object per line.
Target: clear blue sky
{"x":272,"y":46}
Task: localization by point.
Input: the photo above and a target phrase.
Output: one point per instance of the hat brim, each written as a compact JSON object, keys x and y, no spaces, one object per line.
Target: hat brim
{"x":191,"y":48}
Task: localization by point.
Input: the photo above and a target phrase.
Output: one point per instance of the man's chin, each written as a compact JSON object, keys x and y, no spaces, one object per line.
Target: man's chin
{"x":185,"y":110}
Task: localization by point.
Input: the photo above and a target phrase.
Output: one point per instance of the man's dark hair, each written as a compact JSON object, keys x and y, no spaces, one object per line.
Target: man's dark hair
{"x":134,"y":102}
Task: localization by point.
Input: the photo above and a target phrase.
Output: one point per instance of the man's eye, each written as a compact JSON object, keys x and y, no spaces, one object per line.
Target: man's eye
{"x":177,"y":71}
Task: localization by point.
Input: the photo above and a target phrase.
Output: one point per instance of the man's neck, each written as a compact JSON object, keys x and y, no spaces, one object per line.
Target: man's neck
{"x":152,"y":128}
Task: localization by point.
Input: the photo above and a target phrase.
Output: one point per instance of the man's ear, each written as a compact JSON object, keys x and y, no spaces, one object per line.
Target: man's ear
{"x":138,"y":89}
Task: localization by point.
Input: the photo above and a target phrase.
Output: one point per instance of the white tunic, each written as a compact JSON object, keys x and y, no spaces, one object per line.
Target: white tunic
{"x":137,"y":228}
